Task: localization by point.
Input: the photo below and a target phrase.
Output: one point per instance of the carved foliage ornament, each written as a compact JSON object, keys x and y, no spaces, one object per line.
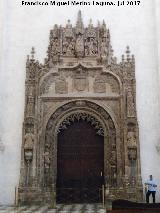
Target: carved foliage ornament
{"x":81,"y":116}
{"x":130,"y":104}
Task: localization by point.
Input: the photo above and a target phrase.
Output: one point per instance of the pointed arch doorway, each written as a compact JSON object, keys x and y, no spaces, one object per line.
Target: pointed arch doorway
{"x":80,"y":163}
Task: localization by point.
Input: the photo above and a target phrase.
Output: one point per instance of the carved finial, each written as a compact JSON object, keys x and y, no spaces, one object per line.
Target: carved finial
{"x":128,"y":53}
{"x":104,"y":24}
{"x":108,"y":32}
{"x":32,"y":53}
{"x":111,"y":51}
{"x":69,"y":22}
{"x":123,"y":58}
{"x":133,"y":58}
{"x":128,"y":50}
{"x":98,"y":24}
{"x":90,"y":23}
{"x":79,"y":20}
{"x":45,"y":61}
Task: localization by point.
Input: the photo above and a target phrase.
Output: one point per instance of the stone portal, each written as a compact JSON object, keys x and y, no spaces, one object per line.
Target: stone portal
{"x":80,"y":89}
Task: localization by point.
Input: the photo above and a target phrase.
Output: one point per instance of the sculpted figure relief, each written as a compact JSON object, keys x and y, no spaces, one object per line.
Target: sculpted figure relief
{"x":69,"y":46}
{"x":79,"y":45}
{"x":90,"y":47}
{"x":28,"y":141}
{"x":113,"y":158}
{"x":131,"y":139}
{"x":132,"y":154}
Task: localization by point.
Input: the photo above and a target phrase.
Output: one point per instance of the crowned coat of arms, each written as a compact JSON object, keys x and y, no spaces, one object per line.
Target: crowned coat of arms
{"x":80,"y":80}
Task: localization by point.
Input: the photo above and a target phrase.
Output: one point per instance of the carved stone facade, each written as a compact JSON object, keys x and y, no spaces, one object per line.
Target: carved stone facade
{"x":80,"y":79}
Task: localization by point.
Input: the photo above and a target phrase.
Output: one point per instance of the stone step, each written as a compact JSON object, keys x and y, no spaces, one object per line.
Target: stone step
{"x":74,"y":208}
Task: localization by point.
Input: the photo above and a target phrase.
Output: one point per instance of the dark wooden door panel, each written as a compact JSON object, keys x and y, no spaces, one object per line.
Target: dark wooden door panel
{"x":80,"y":160}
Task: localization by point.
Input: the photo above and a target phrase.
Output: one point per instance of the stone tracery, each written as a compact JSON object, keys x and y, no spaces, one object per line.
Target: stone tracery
{"x":81,"y":116}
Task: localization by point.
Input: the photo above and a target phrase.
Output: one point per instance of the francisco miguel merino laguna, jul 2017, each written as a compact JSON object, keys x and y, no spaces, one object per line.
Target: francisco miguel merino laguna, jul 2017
{"x":67,"y":3}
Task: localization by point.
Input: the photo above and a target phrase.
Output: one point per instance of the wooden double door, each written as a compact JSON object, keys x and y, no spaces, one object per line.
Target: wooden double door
{"x":80,"y":164}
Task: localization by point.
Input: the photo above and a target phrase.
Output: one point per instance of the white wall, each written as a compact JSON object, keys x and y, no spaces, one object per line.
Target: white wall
{"x":24,"y":27}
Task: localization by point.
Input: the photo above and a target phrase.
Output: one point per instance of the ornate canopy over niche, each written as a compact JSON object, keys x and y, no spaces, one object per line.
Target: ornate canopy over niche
{"x":80,"y":79}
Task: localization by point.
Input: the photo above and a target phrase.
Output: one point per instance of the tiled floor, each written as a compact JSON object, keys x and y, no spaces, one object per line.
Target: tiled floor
{"x":75,"y":208}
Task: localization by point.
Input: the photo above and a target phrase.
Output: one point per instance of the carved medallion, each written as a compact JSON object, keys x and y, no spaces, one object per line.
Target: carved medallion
{"x":80,"y":84}
{"x":99,"y":86}
{"x":80,"y":80}
{"x":61,"y":86}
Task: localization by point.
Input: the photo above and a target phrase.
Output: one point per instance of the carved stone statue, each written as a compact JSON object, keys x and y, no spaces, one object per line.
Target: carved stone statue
{"x":86,"y":47}
{"x":90,"y":47}
{"x":113,"y":158}
{"x":113,"y":176}
{"x":28,"y":141}
{"x":131,"y":139}
{"x":79,"y":48}
{"x":132,"y":153}
{"x":70,"y":48}
{"x":46,"y":159}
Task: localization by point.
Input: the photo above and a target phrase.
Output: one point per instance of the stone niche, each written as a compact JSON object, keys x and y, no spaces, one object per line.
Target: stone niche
{"x":80,"y":79}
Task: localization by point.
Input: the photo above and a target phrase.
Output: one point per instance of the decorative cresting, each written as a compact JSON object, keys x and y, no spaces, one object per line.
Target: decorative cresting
{"x":81,"y":116}
{"x":78,"y":41}
{"x":99,"y":119}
